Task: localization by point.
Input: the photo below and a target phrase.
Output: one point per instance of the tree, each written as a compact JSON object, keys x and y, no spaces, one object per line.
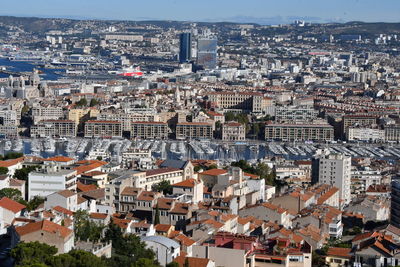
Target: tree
{"x":93,"y":102}
{"x":23,"y":173}
{"x":11,"y":193}
{"x":144,"y":262}
{"x":34,"y":203}
{"x":13,"y":155}
{"x":81,"y":103}
{"x":3,"y":170}
{"x":86,"y":229}
{"x":163,"y":186}
{"x":32,"y":253}
{"x":230,"y":116}
{"x":172,"y":264}
{"x":157,"y":216}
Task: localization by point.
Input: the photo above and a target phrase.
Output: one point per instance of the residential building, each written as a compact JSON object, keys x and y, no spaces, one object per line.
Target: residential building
{"x":192,"y":130}
{"x":49,"y":180}
{"x":299,"y":132}
{"x":238,"y":101}
{"x":149,"y":130}
{"x":335,"y":170}
{"x":103,"y":129}
{"x":49,"y":233}
{"x":295,"y":114}
{"x":54,"y":128}
{"x":233,"y":131}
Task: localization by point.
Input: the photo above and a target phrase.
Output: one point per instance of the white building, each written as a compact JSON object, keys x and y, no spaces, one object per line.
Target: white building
{"x":50,"y":180}
{"x":335,"y":169}
{"x":64,"y":198}
{"x":166,"y":249}
{"x":365,"y":134}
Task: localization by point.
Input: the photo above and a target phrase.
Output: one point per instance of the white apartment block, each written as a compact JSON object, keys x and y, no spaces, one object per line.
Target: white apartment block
{"x":47,"y":181}
{"x":335,"y":170}
{"x":40,"y":113}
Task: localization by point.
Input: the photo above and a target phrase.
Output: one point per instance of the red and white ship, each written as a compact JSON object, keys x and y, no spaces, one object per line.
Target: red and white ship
{"x":131,"y":72}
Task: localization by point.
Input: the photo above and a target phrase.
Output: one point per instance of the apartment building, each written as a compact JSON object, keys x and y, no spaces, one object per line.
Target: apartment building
{"x":149,"y":130}
{"x":360,"y":120}
{"x":8,"y":131}
{"x":76,"y":114}
{"x":40,"y":113}
{"x":190,"y":130}
{"x":173,"y":175}
{"x":58,"y":128}
{"x":103,"y":129}
{"x":49,"y":180}
{"x":9,"y":118}
{"x":335,"y":170}
{"x":364,"y":134}
{"x":299,"y":132}
{"x":392,"y":133}
{"x":128,"y":118}
{"x":295,"y":114}
{"x":243,"y":101}
{"x":233,"y":131}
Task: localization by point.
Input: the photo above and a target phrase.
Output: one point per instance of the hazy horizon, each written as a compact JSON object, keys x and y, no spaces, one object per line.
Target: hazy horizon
{"x":251,"y":11}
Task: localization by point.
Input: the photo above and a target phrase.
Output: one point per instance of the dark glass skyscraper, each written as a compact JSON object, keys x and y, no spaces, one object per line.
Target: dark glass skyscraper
{"x":207,"y":52}
{"x":185,"y":48}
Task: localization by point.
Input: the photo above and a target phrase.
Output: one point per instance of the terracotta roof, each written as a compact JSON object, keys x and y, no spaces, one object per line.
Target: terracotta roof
{"x":45,"y":225}
{"x":180,"y":208}
{"x":11,"y":205}
{"x":321,"y":200}
{"x":94,"y":194}
{"x":89,"y":166}
{"x":184,"y":240}
{"x":98,"y":216}
{"x":66,"y":193}
{"x":60,"y":159}
{"x":214,"y":172}
{"x":147,"y":196}
{"x":63,"y":210}
{"x":163,"y":227}
{"x":186,"y":183}
{"x":122,"y":223}
{"x":253,"y":176}
{"x":85,"y":187}
{"x":10,"y":162}
{"x":339,"y":252}
{"x":130,"y":191}
{"x":164,"y":203}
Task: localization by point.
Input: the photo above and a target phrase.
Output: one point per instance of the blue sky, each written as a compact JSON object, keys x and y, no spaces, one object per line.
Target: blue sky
{"x":266,"y":11}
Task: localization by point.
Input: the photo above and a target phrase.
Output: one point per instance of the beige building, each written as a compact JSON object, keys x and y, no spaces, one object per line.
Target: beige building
{"x":245,"y":101}
{"x":49,"y":233}
{"x":76,"y":114}
{"x":189,"y":130}
{"x":40,"y":113}
{"x":59,"y":128}
{"x":299,"y":132}
{"x":104,"y":129}
{"x":149,"y":130}
{"x":233,"y":131}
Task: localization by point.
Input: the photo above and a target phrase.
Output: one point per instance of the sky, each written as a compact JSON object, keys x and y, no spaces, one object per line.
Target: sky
{"x":258,"y":11}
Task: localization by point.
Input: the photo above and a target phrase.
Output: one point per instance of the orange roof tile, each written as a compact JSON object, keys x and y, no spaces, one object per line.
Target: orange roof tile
{"x":60,"y":159}
{"x":45,"y":225}
{"x":11,"y":205}
{"x":339,"y":252}
{"x":10,"y":162}
{"x":186,"y":183}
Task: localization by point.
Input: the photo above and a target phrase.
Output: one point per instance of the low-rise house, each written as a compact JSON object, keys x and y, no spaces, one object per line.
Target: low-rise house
{"x":191,"y":187}
{"x":338,"y":257}
{"x":9,"y":210}
{"x":268,"y":212}
{"x":49,"y":233}
{"x":64,"y":198}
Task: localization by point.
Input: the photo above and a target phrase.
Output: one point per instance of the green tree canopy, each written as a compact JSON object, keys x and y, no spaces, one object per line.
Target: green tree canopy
{"x":11,"y":193}
{"x":163,"y":186}
{"x":3,"y":170}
